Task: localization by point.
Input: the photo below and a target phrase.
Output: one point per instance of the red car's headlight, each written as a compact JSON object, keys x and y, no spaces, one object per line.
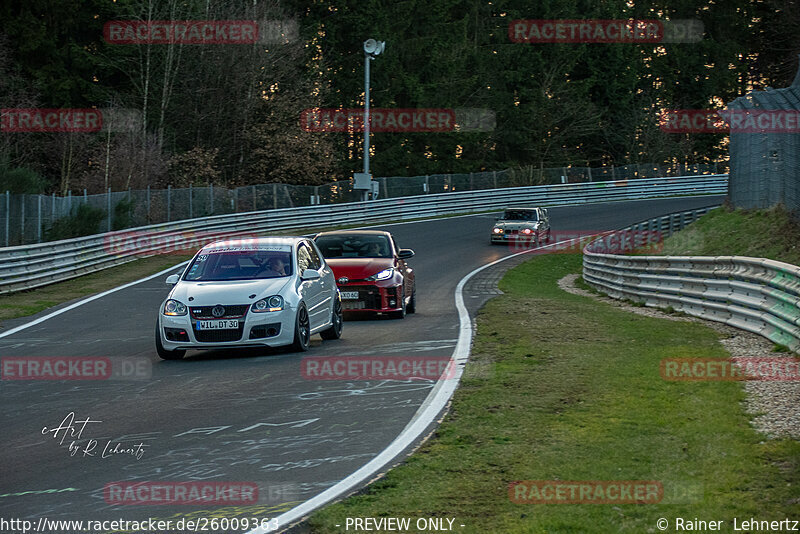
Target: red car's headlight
{"x":383,"y":275}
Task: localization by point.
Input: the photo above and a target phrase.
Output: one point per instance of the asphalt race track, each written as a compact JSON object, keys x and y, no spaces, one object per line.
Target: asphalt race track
{"x":239,"y":417}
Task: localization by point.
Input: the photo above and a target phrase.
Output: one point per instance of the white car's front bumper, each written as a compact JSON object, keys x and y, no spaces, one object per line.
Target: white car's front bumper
{"x":270,"y":329}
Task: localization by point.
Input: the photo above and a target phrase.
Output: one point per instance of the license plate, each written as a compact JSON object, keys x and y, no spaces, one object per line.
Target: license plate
{"x":219,"y":324}
{"x":350,"y":295}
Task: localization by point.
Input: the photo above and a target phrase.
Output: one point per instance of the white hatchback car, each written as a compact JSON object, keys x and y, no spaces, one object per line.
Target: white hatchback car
{"x":271,"y":292}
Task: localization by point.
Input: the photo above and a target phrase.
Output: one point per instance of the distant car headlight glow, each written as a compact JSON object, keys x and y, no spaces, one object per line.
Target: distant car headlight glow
{"x":527,"y":231}
{"x":269,"y":304}
{"x":497,"y":230}
{"x":174,"y":307}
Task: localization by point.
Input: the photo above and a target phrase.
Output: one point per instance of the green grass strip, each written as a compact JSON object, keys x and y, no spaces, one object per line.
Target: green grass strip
{"x":565,"y":387}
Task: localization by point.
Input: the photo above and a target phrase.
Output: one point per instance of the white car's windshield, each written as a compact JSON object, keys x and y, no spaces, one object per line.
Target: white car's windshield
{"x":240,"y":265}
{"x":521,"y":215}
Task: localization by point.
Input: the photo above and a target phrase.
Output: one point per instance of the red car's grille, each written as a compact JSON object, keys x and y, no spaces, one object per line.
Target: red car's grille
{"x":369,"y":297}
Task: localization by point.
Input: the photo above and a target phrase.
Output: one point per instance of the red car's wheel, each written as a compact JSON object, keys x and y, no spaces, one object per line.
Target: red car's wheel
{"x":402,"y":313}
{"x":412,"y":304}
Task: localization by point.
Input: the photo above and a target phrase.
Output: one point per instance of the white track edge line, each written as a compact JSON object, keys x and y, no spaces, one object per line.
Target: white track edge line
{"x":434,"y":403}
{"x":87,"y":300}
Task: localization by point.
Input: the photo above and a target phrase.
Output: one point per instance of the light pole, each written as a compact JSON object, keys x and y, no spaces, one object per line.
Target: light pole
{"x":363,"y":181}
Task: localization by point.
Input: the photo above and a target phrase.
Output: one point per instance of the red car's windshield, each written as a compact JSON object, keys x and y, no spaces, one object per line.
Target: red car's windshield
{"x":354,"y":246}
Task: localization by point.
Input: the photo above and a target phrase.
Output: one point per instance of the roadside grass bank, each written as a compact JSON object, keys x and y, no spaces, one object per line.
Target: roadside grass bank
{"x":769,"y":233}
{"x":565,"y":387}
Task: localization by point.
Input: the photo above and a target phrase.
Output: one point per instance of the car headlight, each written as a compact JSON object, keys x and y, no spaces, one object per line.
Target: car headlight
{"x":383,"y":275}
{"x":527,"y":231}
{"x":269,"y":304}
{"x":497,"y":230}
{"x":174,"y":307}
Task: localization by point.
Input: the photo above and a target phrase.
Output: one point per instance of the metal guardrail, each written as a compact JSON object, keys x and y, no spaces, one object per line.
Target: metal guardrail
{"x":755,"y":294}
{"x":29,"y":266}
{"x":32,"y":218}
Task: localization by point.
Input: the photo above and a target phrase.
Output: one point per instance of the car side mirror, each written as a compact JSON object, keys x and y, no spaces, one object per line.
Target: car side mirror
{"x":405,"y":253}
{"x":310,"y":274}
{"x":173,"y":279}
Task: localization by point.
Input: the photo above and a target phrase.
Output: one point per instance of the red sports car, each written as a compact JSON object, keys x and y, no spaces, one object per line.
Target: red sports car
{"x":370,"y":270}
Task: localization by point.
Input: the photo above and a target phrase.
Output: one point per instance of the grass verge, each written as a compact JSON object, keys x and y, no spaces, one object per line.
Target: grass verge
{"x":565,"y":387}
{"x":769,"y":233}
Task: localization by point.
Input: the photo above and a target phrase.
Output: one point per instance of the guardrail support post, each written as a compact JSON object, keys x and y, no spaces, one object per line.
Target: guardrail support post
{"x":22,"y":221}
{"x":39,"y":226}
{"x":254,"y":198}
{"x":148,"y":203}
{"x":274,"y":196}
{"x":494,"y":179}
{"x":169,"y":201}
{"x":211,"y":197}
{"x":426,"y":187}
{"x":190,"y":201}
{"x":108,"y":207}
{"x":8,"y":214}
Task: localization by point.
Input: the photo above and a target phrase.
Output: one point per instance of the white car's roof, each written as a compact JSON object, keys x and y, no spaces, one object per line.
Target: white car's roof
{"x":253,"y":242}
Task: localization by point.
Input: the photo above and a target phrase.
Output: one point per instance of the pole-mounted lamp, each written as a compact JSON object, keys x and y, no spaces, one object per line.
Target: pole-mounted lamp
{"x":363,"y":181}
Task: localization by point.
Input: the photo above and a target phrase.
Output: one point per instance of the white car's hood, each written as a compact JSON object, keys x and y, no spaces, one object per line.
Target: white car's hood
{"x":232,"y":292}
{"x":516,"y":225}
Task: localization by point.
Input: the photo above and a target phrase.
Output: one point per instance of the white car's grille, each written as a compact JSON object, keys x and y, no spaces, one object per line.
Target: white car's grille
{"x":228,"y":311}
